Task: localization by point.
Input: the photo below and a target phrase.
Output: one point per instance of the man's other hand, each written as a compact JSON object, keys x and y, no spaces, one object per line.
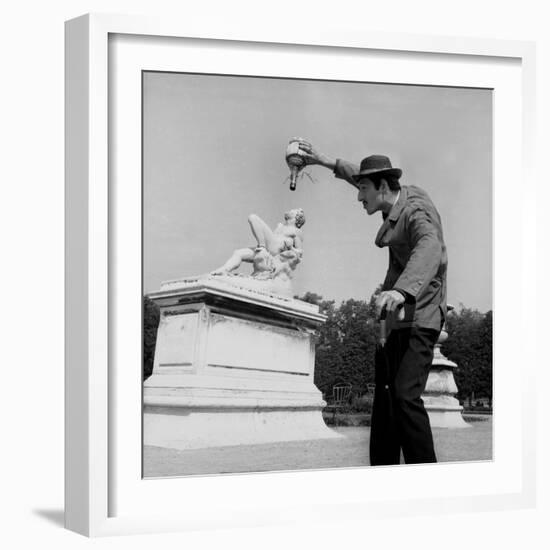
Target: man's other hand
{"x":391,"y":301}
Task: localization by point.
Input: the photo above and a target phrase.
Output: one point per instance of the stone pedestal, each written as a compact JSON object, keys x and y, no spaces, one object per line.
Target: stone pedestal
{"x":443,"y":408}
{"x":233,"y":365}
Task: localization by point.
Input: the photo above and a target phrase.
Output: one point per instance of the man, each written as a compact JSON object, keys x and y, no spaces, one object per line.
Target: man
{"x":413,"y":297}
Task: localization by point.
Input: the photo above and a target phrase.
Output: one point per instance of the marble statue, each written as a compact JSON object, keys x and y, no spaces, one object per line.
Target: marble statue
{"x":224,"y":372}
{"x":278,"y":252}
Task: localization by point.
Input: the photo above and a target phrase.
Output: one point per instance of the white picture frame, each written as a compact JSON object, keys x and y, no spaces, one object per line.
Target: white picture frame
{"x":103,"y":494}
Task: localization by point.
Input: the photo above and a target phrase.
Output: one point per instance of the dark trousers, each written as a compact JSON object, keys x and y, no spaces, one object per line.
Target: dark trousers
{"x":399,"y":419}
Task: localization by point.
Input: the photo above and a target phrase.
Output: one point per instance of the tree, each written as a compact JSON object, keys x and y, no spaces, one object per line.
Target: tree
{"x":311,"y":298}
{"x":470,"y":345}
{"x":328,"y":353}
{"x":484,"y":350}
{"x":151,"y":319}
{"x":346,"y":344}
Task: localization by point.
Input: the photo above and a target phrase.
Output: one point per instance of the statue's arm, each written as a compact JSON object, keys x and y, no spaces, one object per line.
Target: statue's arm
{"x":296,"y":251}
{"x":298,"y":244}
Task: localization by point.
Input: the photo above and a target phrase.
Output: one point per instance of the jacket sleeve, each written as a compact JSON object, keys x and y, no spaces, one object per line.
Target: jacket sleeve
{"x":391,"y":274}
{"x":426,"y":253}
{"x":344,"y":170}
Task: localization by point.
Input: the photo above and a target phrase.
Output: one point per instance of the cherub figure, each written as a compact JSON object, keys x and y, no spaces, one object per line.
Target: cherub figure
{"x":278,"y":251}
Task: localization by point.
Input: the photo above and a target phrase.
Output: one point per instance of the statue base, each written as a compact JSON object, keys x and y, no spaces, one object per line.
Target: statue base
{"x":233,"y":366}
{"x":442,"y":407}
{"x":444,"y":412}
{"x":440,"y":402}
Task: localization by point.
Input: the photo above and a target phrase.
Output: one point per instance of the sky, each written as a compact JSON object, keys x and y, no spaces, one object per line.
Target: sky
{"x":213,"y":153}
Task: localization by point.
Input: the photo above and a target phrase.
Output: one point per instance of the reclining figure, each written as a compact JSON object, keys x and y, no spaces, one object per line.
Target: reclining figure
{"x":278,"y":251}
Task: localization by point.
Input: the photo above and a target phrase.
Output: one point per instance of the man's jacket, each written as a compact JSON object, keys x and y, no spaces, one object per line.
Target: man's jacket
{"x":418,"y":257}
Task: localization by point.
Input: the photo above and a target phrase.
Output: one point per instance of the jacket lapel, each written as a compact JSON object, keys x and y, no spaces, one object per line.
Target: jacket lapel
{"x":381,"y":232}
{"x":393,"y":216}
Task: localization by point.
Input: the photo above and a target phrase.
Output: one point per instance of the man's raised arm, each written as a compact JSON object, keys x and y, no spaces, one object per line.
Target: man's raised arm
{"x":342,"y":168}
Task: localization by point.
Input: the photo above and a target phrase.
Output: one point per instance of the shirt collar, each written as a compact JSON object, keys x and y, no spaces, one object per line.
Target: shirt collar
{"x":398,"y":204}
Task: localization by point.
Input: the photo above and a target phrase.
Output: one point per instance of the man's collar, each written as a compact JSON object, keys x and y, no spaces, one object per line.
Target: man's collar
{"x":398,"y":205}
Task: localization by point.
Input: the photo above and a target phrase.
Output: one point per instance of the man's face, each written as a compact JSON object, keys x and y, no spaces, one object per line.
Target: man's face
{"x":369,"y":196}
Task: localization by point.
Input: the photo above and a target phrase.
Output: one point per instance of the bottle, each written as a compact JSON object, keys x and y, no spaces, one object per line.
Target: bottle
{"x":295,"y":160}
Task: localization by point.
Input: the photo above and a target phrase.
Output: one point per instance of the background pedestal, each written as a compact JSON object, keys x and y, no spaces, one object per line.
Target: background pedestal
{"x":232,"y":366}
{"x":439,"y":398}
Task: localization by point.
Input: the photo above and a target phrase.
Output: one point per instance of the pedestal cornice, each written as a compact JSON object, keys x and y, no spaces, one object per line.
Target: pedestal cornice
{"x":232,"y":293}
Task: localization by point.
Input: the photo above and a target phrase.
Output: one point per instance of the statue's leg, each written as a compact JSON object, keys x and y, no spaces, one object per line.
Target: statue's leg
{"x":263,"y":234}
{"x":238,"y":256}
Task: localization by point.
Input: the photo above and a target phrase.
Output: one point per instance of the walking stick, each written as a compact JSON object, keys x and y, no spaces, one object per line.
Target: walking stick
{"x":382,"y":339}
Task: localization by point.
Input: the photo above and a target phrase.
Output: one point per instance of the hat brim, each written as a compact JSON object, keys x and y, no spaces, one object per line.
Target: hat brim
{"x":388,"y":171}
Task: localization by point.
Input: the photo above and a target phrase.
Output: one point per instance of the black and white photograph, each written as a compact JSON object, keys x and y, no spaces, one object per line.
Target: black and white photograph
{"x":289,"y":261}
{"x":317,"y":274}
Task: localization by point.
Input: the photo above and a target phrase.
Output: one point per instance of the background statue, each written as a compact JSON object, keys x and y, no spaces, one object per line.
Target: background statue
{"x":278,"y":251}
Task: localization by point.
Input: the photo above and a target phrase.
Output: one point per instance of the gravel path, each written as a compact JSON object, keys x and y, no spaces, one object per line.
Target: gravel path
{"x":451,"y":445}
